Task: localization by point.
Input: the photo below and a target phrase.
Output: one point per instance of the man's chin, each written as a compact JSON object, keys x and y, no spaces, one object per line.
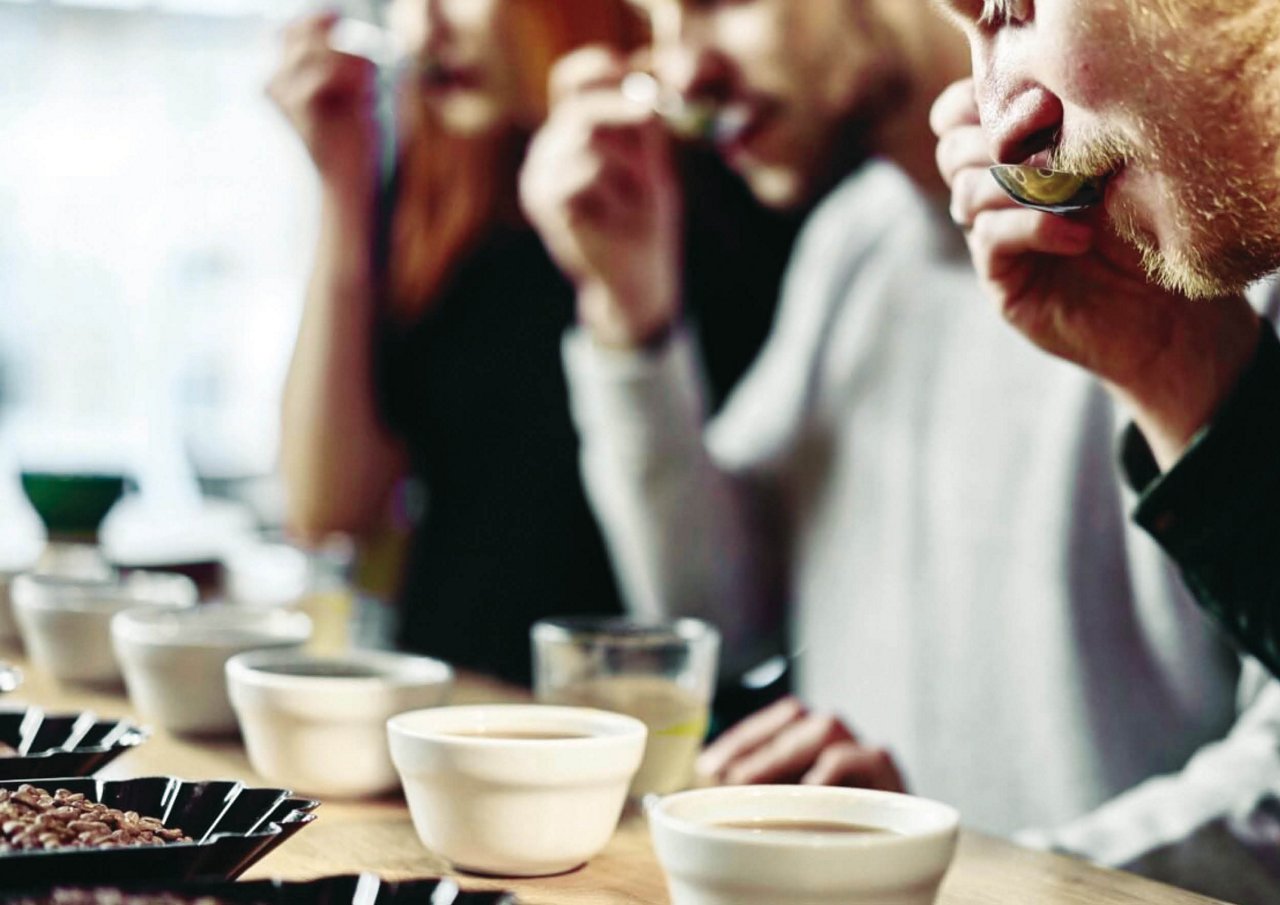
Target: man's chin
{"x":1191,"y":268}
{"x":1173,"y":256}
{"x":777,"y":187}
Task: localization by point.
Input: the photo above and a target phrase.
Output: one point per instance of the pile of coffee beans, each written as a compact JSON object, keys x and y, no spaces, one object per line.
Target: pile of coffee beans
{"x":32,"y":819}
{"x":109,"y":896}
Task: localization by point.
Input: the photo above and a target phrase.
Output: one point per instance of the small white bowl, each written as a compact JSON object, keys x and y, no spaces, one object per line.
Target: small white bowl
{"x":9,"y":637}
{"x":174,"y":661}
{"x":317,"y":724}
{"x":66,"y":622}
{"x":511,"y":806}
{"x":709,"y":864}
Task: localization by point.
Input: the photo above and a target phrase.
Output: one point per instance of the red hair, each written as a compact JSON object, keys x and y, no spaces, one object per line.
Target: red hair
{"x":451,"y":188}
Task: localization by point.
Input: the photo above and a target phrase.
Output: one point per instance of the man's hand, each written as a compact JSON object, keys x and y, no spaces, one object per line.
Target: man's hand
{"x":785,"y":743}
{"x":330,"y":98}
{"x":599,"y":186}
{"x":1073,"y":288}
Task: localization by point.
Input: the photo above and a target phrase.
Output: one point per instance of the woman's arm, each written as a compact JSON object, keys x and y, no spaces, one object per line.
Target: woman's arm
{"x":338,"y":459}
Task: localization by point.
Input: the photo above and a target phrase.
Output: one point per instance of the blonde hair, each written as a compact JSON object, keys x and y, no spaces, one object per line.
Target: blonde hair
{"x":452,"y":188}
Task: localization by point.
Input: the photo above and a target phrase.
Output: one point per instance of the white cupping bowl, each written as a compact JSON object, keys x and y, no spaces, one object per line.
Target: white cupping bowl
{"x":707,"y":864}
{"x":174,"y":661}
{"x":9,"y":637}
{"x":66,"y":622}
{"x":317,"y":724}
{"x":515,"y":807}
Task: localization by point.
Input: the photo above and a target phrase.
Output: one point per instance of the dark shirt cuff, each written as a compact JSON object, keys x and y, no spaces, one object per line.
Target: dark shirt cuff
{"x":1199,"y":504}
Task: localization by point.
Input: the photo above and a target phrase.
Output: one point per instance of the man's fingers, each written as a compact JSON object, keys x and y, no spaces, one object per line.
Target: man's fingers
{"x":790,"y":754}
{"x":850,"y":764}
{"x":955,"y":107}
{"x":962,"y":149}
{"x":748,"y":735}
{"x":999,"y":238}
{"x":973,"y":192}
{"x":588,"y":69}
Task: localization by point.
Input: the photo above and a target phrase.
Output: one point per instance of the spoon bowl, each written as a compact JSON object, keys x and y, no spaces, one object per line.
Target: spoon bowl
{"x":687,"y":120}
{"x":1052,"y":191}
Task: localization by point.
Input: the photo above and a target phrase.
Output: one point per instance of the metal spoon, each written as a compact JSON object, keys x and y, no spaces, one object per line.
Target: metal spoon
{"x":1053,"y":191}
{"x":373,"y":42}
{"x":685,"y":119}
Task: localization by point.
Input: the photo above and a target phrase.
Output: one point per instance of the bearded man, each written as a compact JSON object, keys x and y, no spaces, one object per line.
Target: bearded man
{"x":1174,"y":104}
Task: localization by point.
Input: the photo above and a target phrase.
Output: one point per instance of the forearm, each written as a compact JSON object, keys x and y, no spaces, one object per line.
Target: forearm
{"x":1188,"y":817}
{"x":687,"y":538}
{"x":337,"y":458}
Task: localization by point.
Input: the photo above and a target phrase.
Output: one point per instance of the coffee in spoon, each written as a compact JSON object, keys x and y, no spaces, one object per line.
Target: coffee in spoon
{"x":1052,"y":191}
{"x":687,"y":120}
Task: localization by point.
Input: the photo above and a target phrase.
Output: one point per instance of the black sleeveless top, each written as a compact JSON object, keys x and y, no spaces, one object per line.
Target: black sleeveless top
{"x":477,"y":391}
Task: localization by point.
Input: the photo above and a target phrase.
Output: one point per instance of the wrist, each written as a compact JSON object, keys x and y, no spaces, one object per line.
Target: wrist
{"x":1177,"y":395}
{"x":348,"y":197}
{"x":616,"y":324}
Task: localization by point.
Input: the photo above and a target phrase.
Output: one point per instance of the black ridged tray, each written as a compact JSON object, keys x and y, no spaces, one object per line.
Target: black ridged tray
{"x":62,"y":744}
{"x":365,"y":889}
{"x":233,"y":826}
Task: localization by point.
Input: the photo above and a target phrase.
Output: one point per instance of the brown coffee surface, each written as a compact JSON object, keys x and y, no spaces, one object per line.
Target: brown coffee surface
{"x":826,"y":827}
{"x":322,"y":670}
{"x":520,"y":734}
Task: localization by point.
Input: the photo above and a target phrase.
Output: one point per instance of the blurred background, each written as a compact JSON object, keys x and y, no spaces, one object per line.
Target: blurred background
{"x":155,"y":227}
{"x":157,"y":218}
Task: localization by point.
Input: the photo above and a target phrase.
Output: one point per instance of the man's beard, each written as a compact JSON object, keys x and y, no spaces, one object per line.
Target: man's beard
{"x":1206,"y":139}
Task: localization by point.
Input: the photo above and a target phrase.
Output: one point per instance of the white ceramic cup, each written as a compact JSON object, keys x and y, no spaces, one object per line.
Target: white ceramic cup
{"x":516,"y":806}
{"x":709,"y":864}
{"x":66,"y":622}
{"x":174,"y":661}
{"x":317,"y":725}
{"x":9,"y":637}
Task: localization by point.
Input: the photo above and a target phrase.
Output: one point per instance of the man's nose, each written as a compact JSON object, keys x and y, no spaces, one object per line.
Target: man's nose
{"x":1021,"y":117}
{"x":684,"y":55}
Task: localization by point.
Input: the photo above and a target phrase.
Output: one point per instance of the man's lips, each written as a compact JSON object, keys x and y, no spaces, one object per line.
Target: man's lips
{"x":738,"y":126}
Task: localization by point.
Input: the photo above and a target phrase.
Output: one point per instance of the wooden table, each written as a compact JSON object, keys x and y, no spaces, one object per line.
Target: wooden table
{"x":378,"y":835}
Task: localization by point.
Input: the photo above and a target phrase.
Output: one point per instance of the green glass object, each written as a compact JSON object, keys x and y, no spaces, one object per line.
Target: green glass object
{"x":71,"y":505}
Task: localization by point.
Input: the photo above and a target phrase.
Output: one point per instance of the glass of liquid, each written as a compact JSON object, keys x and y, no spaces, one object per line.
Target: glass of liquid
{"x":663,"y":674}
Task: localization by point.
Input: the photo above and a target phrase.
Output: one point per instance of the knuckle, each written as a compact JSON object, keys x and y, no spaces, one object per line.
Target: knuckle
{"x":792,"y":706}
{"x":581,"y":67}
{"x":983,"y":234}
{"x":827,"y":725}
{"x":879,"y":757}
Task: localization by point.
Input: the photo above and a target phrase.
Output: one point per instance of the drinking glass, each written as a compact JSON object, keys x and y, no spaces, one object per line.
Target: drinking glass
{"x":663,"y":674}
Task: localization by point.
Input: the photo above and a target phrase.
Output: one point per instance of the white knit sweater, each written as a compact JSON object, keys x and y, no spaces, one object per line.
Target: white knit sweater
{"x":938,"y":503}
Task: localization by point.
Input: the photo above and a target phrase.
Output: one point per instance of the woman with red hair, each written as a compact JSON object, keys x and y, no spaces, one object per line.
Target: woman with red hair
{"x":429,"y":344}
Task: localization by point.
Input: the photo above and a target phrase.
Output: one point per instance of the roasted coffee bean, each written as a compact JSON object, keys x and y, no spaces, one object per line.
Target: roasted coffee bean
{"x":110,"y":896}
{"x":34,"y":819}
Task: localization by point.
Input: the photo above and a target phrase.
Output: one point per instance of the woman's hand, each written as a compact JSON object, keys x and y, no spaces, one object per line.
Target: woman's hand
{"x":330,"y":99}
